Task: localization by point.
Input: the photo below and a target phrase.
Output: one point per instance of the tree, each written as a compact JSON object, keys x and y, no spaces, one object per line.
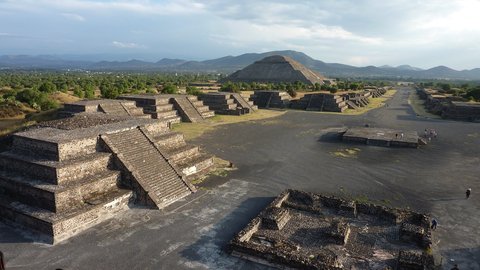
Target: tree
{"x":47,"y":87}
{"x":169,"y":89}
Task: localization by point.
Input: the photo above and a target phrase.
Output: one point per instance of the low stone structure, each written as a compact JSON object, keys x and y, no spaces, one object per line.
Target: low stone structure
{"x":449,"y":106}
{"x":185,"y":107}
{"x":271,"y":99}
{"x":228,"y":103}
{"x":382,"y":137}
{"x":314,"y":234}
{"x":106,"y":106}
{"x":320,"y":102}
{"x":65,"y":175}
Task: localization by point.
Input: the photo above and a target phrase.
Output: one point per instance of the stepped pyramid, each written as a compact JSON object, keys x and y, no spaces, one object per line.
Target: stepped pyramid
{"x":276,"y":69}
{"x":63,"y":176}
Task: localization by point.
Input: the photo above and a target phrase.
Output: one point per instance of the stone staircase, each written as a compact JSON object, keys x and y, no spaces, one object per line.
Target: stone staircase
{"x":187,"y":158}
{"x":321,"y":102}
{"x":228,"y":103}
{"x":58,"y":195}
{"x":172,"y":108}
{"x":187,"y":110}
{"x":271,"y":99}
{"x":148,"y":166}
{"x":67,"y":175}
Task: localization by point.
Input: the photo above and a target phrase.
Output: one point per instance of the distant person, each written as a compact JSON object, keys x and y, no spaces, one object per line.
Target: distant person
{"x":2,"y":262}
{"x":434,"y":224}
{"x":455,"y":267}
{"x":468,"y":192}
{"x":401,"y":135}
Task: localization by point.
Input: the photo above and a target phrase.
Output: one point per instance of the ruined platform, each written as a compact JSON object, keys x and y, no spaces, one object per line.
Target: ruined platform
{"x":301,"y":230}
{"x":321,"y":102}
{"x":228,"y":103}
{"x":63,"y":176}
{"x":271,"y":99}
{"x":172,"y":108}
{"x":383,"y":137}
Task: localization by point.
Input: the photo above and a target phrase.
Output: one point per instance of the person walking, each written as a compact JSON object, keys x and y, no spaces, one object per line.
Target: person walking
{"x":468,"y":192}
{"x":434,"y":224}
{"x":2,"y":262}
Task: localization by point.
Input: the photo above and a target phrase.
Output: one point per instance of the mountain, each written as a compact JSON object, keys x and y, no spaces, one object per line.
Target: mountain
{"x":230,"y":64}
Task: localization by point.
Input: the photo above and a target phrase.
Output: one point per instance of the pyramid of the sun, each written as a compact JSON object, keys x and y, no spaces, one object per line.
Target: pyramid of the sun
{"x":276,"y":69}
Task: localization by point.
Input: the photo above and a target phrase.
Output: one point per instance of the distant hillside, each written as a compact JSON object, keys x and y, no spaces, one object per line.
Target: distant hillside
{"x":230,"y":64}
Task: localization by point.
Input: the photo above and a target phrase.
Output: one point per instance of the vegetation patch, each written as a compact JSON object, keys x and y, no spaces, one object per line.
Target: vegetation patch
{"x":346,"y":153}
{"x":194,"y":130}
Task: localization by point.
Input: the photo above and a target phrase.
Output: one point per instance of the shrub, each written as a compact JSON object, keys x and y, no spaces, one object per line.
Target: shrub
{"x":292,"y":92}
{"x":192,"y":90}
{"x":47,"y":87}
{"x":169,"y":89}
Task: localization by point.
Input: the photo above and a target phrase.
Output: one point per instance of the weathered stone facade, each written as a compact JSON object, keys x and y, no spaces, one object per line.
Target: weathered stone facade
{"x":318,"y":235}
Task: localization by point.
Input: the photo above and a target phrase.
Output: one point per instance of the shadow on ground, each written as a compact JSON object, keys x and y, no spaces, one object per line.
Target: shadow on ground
{"x":215,"y":240}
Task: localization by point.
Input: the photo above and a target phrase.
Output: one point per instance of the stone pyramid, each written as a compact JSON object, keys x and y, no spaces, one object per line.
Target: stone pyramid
{"x":276,"y":69}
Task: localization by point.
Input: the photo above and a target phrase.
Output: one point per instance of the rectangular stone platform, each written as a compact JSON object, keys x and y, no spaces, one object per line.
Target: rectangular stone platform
{"x":382,"y":137}
{"x":302,"y":230}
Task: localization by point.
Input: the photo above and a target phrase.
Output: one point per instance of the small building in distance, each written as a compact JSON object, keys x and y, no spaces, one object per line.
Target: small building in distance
{"x":276,"y":69}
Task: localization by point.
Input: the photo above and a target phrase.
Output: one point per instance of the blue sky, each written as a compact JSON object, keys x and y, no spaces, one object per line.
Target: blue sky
{"x":423,"y":33}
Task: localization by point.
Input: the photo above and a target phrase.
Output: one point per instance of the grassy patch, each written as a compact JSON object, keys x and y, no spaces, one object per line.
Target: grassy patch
{"x":418,"y":105}
{"x":346,"y":153}
{"x":374,"y":103}
{"x":193,"y":130}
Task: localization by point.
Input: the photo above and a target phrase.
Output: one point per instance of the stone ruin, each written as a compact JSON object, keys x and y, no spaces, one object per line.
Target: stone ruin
{"x":187,"y":107}
{"x":170,"y":108}
{"x":271,"y":99}
{"x":382,"y":137}
{"x":321,"y":102}
{"x":65,"y":175}
{"x":301,"y":230}
{"x":338,"y":102}
{"x":276,"y":69}
{"x":228,"y":103}
{"x":449,"y":106}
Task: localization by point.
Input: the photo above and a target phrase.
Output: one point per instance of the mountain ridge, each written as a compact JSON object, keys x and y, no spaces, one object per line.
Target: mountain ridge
{"x":230,"y":64}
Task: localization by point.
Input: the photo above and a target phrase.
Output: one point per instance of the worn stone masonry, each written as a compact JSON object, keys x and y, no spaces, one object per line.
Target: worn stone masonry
{"x":228,"y":103}
{"x":271,"y":99}
{"x":173,"y":108}
{"x":302,"y":230}
{"x":63,"y":176}
{"x":321,"y":102}
{"x":449,"y":106}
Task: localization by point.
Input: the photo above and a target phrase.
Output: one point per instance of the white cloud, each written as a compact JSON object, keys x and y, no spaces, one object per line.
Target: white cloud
{"x":73,"y":16}
{"x":127,"y":45}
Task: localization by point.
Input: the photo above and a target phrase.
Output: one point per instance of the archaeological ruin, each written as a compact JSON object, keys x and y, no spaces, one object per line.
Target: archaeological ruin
{"x":301,"y":230}
{"x":228,"y":103}
{"x":271,"y":99}
{"x":170,"y":108}
{"x":449,"y":106}
{"x":276,"y":69}
{"x":62,"y":176}
{"x":382,"y":137}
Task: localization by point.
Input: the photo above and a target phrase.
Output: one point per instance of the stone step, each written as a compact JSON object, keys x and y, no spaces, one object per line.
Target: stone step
{"x":166,"y":114}
{"x":58,"y":198}
{"x":170,"y":140}
{"x":209,"y":102}
{"x":158,"y":108}
{"x":186,"y":109}
{"x":54,"y":172}
{"x":58,"y":227}
{"x":154,"y":174}
{"x":202,"y":108}
{"x":194,"y":164}
{"x":181,"y":152}
{"x":219,"y":107}
{"x":208,"y":114}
